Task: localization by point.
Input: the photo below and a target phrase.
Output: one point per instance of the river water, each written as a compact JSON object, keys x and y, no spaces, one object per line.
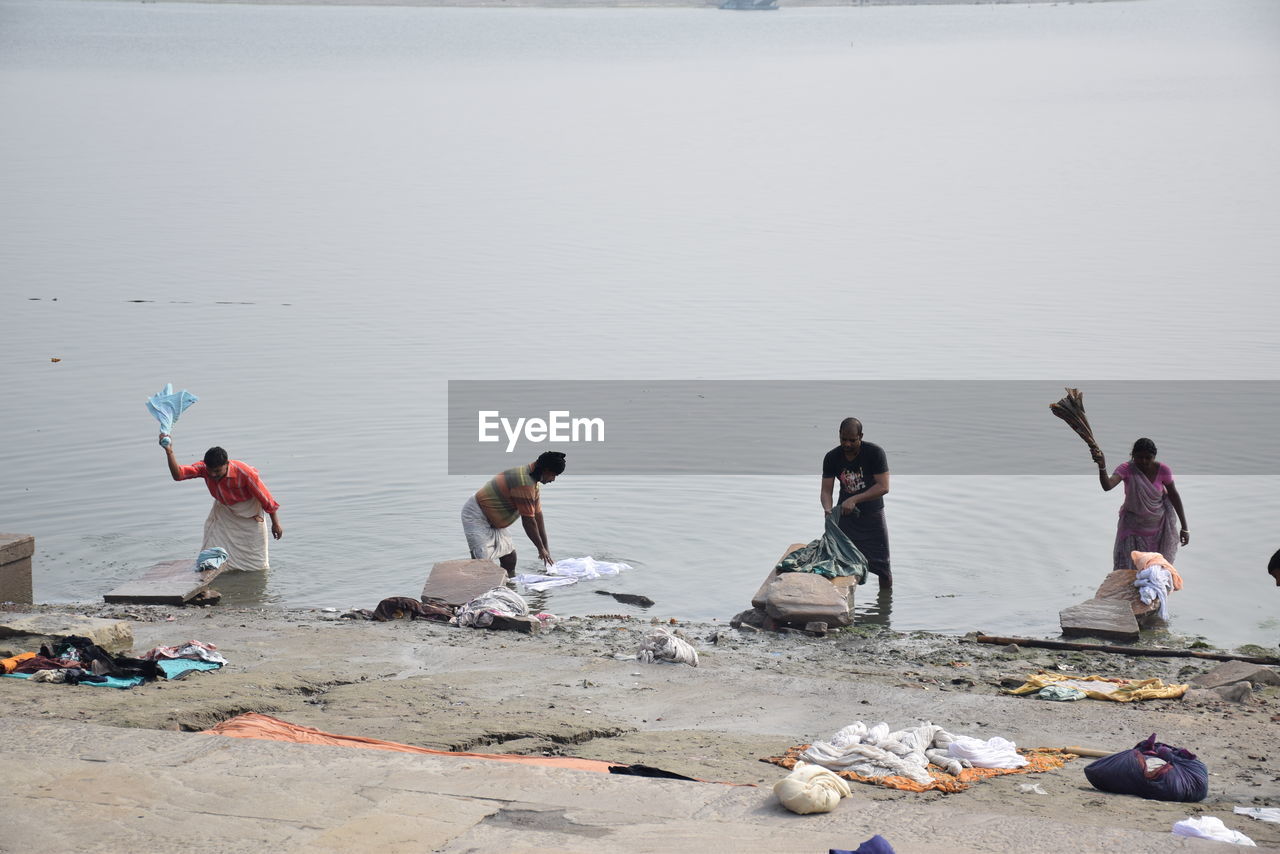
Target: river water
{"x":317,"y":217}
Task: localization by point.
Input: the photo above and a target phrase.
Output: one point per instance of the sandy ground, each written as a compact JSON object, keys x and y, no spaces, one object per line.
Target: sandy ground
{"x":627,"y":4}
{"x":577,"y":691}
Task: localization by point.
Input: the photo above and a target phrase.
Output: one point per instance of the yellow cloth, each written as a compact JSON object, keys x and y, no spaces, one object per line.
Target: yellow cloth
{"x":1102,"y":688}
{"x":8,"y":665}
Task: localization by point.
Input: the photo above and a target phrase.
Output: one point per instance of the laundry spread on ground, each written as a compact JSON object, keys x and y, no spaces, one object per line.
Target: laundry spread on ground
{"x":923,"y":758}
{"x":74,"y":660}
{"x":1103,"y":688}
{"x":267,"y":728}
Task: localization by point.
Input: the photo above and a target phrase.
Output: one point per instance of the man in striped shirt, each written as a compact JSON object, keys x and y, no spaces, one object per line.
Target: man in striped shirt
{"x":513,"y":494}
{"x":240,"y":498}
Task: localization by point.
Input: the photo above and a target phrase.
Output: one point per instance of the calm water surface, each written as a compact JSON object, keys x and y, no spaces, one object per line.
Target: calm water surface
{"x":316,"y":217}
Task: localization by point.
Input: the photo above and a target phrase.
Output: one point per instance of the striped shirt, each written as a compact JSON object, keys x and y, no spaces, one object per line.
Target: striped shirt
{"x":510,"y":495}
{"x":240,"y":484}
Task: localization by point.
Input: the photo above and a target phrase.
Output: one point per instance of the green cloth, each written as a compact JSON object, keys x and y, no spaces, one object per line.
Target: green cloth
{"x":1060,"y":692}
{"x":834,"y":554}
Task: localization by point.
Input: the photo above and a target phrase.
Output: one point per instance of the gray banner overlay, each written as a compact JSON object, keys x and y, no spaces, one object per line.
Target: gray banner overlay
{"x":935,"y":427}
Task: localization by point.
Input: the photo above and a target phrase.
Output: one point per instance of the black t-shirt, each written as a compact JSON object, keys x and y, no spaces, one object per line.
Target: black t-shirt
{"x":855,"y":476}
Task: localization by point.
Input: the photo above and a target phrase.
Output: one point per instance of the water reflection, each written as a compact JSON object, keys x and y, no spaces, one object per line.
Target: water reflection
{"x":874,"y":614}
{"x":243,"y":588}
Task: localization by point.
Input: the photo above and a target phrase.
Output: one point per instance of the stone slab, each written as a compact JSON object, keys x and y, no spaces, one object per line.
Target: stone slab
{"x":457,"y":582}
{"x":16,"y":547}
{"x":1111,"y":619}
{"x":170,"y":582}
{"x":30,"y":630}
{"x":523,"y":625}
{"x":1231,"y":672}
{"x":1119,"y":585}
{"x":15,"y":567}
{"x":15,"y":582}
{"x":802,"y":597}
{"x":762,"y":595}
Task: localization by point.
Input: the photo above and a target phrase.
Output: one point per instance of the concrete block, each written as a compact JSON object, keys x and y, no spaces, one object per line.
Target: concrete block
{"x":457,"y":582}
{"x":1231,"y":672}
{"x":762,"y":595}
{"x":752,"y":618}
{"x":1100,"y":618}
{"x":1240,"y":692}
{"x":524,"y":625}
{"x":802,"y":597}
{"x":15,"y":567}
{"x":30,"y":630}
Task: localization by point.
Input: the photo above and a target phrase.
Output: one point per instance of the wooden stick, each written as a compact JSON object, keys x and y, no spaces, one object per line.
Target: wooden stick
{"x":1125,"y":650}
{"x":1084,"y":751}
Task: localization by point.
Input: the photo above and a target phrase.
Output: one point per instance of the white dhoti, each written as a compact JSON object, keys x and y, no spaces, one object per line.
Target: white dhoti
{"x":241,"y":529}
{"x":485,"y":541}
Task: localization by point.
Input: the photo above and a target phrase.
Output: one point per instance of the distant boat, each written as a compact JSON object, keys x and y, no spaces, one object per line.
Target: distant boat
{"x":754,"y":5}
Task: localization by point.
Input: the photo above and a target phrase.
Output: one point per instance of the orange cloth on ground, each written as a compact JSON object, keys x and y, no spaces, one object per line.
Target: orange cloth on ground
{"x":8,"y":665}
{"x":265,"y":727}
{"x":1142,"y":560}
{"x":1039,"y":760}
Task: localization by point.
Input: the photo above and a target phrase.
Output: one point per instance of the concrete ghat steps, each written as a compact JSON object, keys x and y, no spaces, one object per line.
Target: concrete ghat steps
{"x":78,"y":787}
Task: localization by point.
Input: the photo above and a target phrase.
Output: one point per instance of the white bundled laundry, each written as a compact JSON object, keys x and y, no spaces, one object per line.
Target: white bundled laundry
{"x":810,"y":789}
{"x":1155,"y":583}
{"x":993,"y":753}
{"x":585,"y":568}
{"x":877,"y":752}
{"x":480,"y":611}
{"x":1211,"y":827}
{"x":538,"y":583}
{"x":661,"y":645}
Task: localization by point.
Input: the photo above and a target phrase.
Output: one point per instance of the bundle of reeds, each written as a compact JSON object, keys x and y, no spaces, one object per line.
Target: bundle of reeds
{"x":1071,"y":410}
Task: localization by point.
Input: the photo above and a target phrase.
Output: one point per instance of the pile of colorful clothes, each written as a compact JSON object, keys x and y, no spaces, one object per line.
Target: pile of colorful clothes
{"x":75,"y":660}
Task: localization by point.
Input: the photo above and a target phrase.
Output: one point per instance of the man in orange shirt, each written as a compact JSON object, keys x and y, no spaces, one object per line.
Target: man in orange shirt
{"x":513,"y":494}
{"x":240,"y":498}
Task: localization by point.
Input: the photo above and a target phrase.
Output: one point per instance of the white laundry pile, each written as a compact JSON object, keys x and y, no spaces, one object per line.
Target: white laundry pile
{"x":995,"y":752}
{"x":810,"y":789}
{"x":1211,"y":827}
{"x":1155,"y":583}
{"x":480,"y":611}
{"x":661,"y":645}
{"x":877,"y":752}
{"x":570,"y":571}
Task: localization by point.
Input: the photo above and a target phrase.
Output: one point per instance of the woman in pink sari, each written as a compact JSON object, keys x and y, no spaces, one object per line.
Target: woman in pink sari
{"x":1150,"y":499}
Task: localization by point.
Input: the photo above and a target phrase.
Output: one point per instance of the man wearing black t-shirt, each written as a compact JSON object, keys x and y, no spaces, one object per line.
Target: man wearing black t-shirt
{"x":863,"y":472}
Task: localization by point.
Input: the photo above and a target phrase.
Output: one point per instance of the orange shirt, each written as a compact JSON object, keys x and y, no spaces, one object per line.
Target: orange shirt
{"x":240,"y":484}
{"x":510,"y":495}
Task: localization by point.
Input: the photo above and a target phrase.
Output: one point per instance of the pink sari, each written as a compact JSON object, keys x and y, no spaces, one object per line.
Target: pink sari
{"x":1147,"y":521}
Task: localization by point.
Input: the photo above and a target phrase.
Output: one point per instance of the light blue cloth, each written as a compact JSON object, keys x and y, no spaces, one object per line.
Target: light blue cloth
{"x":168,"y":406}
{"x":211,"y":558}
{"x":176,"y":668}
{"x":112,"y":681}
